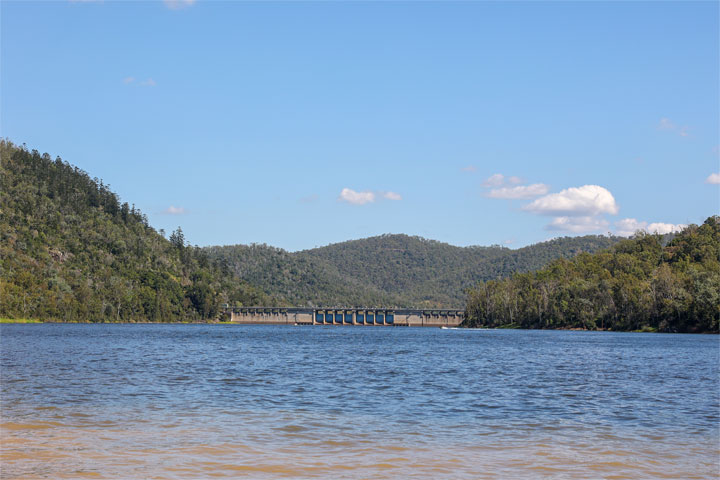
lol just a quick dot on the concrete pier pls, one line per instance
(346, 316)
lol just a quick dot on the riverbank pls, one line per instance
(140, 322)
(20, 320)
(218, 322)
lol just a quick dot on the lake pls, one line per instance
(199, 401)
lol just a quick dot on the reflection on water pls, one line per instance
(184, 401)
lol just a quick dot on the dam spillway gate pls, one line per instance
(346, 316)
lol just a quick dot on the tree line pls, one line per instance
(390, 270)
(642, 283)
(71, 250)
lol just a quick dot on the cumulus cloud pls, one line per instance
(713, 179)
(578, 224)
(127, 80)
(469, 168)
(667, 125)
(663, 228)
(495, 180)
(515, 180)
(172, 210)
(349, 195)
(148, 83)
(356, 198)
(526, 191)
(587, 200)
(629, 226)
(499, 180)
(577, 209)
(178, 4)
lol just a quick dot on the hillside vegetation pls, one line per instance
(389, 270)
(296, 280)
(640, 284)
(70, 250)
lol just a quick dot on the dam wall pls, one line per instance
(346, 316)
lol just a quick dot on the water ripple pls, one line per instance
(179, 401)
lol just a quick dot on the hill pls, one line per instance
(70, 250)
(644, 283)
(296, 279)
(397, 270)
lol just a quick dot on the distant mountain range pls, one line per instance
(389, 270)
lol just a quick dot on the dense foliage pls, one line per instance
(70, 250)
(389, 270)
(297, 280)
(640, 284)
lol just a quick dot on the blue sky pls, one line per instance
(300, 124)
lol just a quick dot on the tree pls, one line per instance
(177, 238)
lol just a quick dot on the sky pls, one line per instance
(300, 124)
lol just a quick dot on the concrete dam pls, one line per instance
(346, 316)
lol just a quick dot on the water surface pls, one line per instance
(199, 401)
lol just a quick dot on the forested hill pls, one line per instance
(390, 270)
(641, 284)
(70, 250)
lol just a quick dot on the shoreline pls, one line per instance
(30, 321)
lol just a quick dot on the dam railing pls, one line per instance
(400, 317)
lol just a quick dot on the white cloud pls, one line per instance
(713, 179)
(587, 200)
(356, 198)
(498, 180)
(527, 191)
(494, 180)
(578, 224)
(361, 198)
(629, 226)
(469, 168)
(392, 196)
(663, 228)
(172, 210)
(667, 125)
(515, 180)
(145, 83)
(178, 4)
